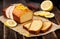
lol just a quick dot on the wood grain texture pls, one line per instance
(1, 30)
(19, 36)
(49, 36)
(9, 34)
(1, 24)
(57, 17)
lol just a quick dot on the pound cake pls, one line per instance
(46, 26)
(18, 12)
(37, 26)
(27, 26)
(34, 27)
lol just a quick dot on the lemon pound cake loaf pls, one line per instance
(19, 13)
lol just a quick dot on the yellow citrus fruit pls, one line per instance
(47, 5)
(10, 23)
(51, 15)
(41, 13)
(44, 13)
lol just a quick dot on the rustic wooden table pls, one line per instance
(6, 33)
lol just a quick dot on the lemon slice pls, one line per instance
(47, 5)
(41, 13)
(51, 15)
(7, 11)
(10, 12)
(44, 13)
(10, 23)
(47, 13)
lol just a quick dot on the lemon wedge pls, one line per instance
(10, 23)
(51, 15)
(47, 5)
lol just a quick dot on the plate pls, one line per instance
(19, 28)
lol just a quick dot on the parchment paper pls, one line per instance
(19, 28)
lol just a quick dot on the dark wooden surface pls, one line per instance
(6, 33)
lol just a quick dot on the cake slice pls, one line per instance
(27, 26)
(35, 27)
(46, 26)
(20, 13)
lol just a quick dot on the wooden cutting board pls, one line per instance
(19, 28)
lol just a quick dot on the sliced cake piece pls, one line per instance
(46, 26)
(35, 26)
(27, 26)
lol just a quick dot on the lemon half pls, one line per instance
(10, 23)
(47, 5)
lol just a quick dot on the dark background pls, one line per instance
(1, 6)
(55, 2)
